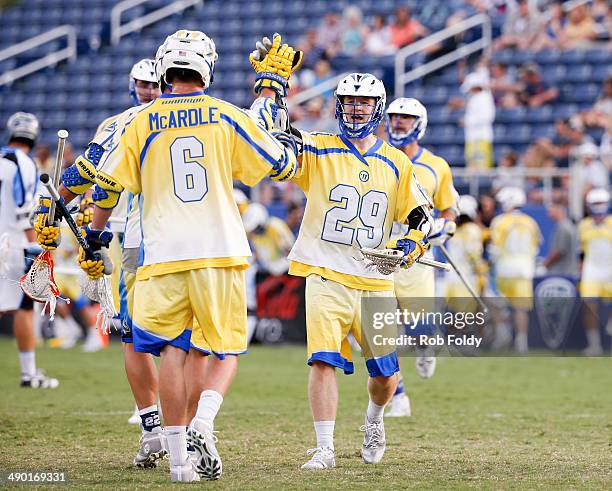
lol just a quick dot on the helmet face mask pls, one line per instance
(144, 85)
(360, 103)
(400, 136)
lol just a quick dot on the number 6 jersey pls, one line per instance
(352, 201)
(180, 154)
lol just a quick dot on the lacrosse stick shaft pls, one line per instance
(62, 135)
(434, 264)
(463, 279)
(55, 198)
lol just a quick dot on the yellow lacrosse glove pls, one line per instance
(274, 63)
(413, 245)
(86, 211)
(48, 236)
(96, 263)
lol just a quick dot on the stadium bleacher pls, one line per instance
(97, 85)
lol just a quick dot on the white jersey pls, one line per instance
(18, 188)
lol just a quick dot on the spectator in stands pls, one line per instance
(563, 256)
(534, 91)
(295, 214)
(580, 28)
(503, 86)
(605, 149)
(553, 31)
(312, 49)
(569, 133)
(321, 73)
(353, 32)
(42, 157)
(507, 174)
(405, 29)
(329, 34)
(521, 28)
(478, 120)
(590, 171)
(601, 112)
(486, 209)
(601, 10)
(315, 116)
(378, 39)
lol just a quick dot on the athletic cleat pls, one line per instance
(184, 473)
(425, 366)
(39, 381)
(399, 407)
(373, 447)
(322, 458)
(152, 449)
(207, 460)
(134, 419)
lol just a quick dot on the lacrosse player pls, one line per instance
(406, 123)
(515, 241)
(595, 234)
(356, 186)
(180, 155)
(77, 180)
(18, 181)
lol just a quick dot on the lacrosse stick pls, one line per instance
(388, 261)
(62, 136)
(39, 284)
(463, 279)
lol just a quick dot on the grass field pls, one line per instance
(502, 423)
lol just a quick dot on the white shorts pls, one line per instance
(11, 294)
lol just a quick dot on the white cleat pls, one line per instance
(39, 381)
(374, 444)
(322, 458)
(184, 473)
(207, 459)
(425, 366)
(399, 407)
(134, 419)
(593, 351)
(152, 449)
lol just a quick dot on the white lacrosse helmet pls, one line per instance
(598, 201)
(359, 85)
(511, 198)
(189, 50)
(256, 215)
(23, 125)
(409, 107)
(143, 70)
(468, 206)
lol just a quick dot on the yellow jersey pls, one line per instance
(466, 249)
(596, 244)
(353, 198)
(180, 153)
(515, 238)
(272, 245)
(434, 176)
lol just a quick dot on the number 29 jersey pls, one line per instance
(352, 201)
(180, 153)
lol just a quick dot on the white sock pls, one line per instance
(375, 412)
(208, 407)
(27, 362)
(325, 433)
(593, 338)
(176, 436)
(520, 341)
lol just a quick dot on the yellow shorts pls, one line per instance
(595, 289)
(166, 305)
(332, 312)
(479, 154)
(518, 292)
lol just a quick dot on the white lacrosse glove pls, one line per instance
(442, 230)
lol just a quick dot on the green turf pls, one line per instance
(495, 423)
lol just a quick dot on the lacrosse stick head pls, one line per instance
(386, 261)
(39, 284)
(99, 291)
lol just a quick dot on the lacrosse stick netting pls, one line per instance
(39, 283)
(386, 261)
(99, 291)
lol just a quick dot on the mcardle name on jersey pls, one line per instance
(183, 118)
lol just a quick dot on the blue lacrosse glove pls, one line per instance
(96, 261)
(442, 230)
(413, 245)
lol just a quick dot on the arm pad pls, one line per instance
(107, 191)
